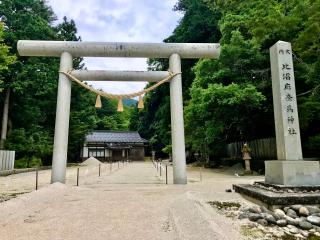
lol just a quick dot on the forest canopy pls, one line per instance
(230, 99)
(32, 85)
(225, 100)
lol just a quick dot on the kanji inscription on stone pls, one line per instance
(285, 102)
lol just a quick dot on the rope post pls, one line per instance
(78, 170)
(166, 174)
(160, 169)
(99, 170)
(37, 177)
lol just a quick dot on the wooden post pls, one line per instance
(37, 177)
(78, 176)
(166, 174)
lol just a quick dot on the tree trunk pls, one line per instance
(5, 119)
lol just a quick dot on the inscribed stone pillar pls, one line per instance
(289, 169)
(285, 102)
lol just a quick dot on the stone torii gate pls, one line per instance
(68, 50)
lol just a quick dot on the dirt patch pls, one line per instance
(7, 196)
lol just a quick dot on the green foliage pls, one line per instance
(313, 145)
(33, 82)
(199, 24)
(225, 100)
(110, 119)
(230, 99)
(5, 58)
(129, 102)
(219, 113)
(37, 144)
(249, 28)
(313, 237)
(27, 163)
(167, 149)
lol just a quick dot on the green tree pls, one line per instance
(5, 61)
(198, 24)
(217, 114)
(262, 23)
(5, 58)
(30, 80)
(246, 31)
(33, 83)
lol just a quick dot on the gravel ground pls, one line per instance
(131, 202)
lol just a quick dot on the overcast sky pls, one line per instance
(119, 21)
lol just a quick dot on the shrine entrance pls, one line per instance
(68, 50)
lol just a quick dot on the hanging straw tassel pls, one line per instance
(98, 102)
(120, 105)
(140, 103)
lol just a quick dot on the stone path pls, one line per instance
(131, 203)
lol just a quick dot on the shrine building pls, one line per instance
(114, 146)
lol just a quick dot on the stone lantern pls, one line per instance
(246, 157)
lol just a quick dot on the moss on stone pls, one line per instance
(224, 205)
(7, 196)
(313, 237)
(251, 232)
(288, 237)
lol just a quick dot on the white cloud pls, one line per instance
(119, 21)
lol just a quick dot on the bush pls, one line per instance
(313, 145)
(28, 163)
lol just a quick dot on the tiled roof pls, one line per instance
(115, 137)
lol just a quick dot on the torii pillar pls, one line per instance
(66, 50)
